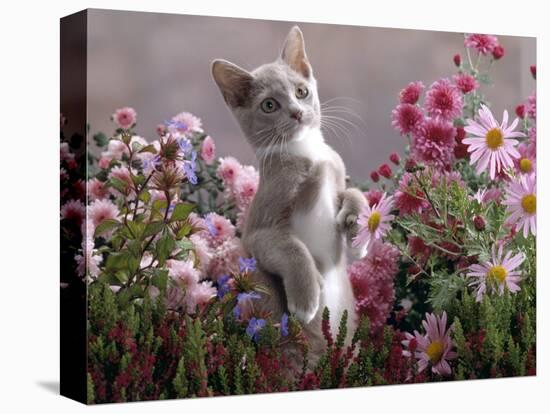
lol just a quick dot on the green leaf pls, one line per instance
(119, 185)
(101, 139)
(181, 211)
(145, 196)
(149, 148)
(118, 261)
(153, 228)
(159, 204)
(106, 226)
(164, 247)
(184, 230)
(160, 279)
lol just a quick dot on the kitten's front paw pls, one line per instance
(305, 304)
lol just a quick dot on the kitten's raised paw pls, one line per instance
(305, 305)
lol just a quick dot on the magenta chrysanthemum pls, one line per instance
(409, 198)
(406, 118)
(372, 281)
(497, 274)
(491, 145)
(433, 142)
(411, 93)
(434, 348)
(483, 43)
(444, 100)
(521, 199)
(466, 83)
(374, 222)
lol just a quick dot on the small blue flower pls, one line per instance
(284, 325)
(152, 163)
(210, 226)
(244, 296)
(247, 265)
(189, 168)
(254, 327)
(185, 146)
(223, 285)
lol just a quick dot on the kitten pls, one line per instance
(302, 217)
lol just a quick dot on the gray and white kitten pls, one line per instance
(302, 218)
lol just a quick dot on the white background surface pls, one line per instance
(29, 99)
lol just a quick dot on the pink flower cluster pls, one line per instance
(372, 279)
(241, 183)
(484, 44)
(216, 246)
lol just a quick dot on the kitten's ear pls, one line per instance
(234, 82)
(294, 52)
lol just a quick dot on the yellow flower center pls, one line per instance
(494, 138)
(525, 165)
(497, 273)
(435, 351)
(529, 203)
(374, 221)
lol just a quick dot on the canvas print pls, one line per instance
(254, 206)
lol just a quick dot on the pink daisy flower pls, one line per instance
(497, 274)
(406, 118)
(465, 82)
(374, 222)
(492, 144)
(411, 93)
(434, 348)
(521, 199)
(444, 100)
(483, 43)
(434, 142)
(526, 163)
(101, 210)
(208, 150)
(125, 117)
(486, 195)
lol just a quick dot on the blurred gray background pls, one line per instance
(160, 65)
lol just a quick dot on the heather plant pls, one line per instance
(446, 291)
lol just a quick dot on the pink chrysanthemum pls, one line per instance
(208, 150)
(245, 187)
(101, 210)
(183, 273)
(411, 93)
(526, 163)
(491, 144)
(465, 82)
(531, 106)
(218, 228)
(497, 274)
(125, 117)
(434, 348)
(483, 43)
(97, 189)
(228, 170)
(374, 222)
(521, 199)
(486, 195)
(88, 260)
(372, 280)
(199, 295)
(409, 198)
(202, 252)
(406, 118)
(186, 123)
(122, 174)
(444, 100)
(73, 210)
(433, 142)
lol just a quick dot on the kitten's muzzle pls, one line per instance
(297, 115)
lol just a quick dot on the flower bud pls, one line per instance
(533, 69)
(410, 165)
(385, 171)
(457, 59)
(520, 111)
(374, 176)
(479, 223)
(498, 52)
(394, 157)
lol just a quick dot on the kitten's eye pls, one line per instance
(269, 105)
(301, 92)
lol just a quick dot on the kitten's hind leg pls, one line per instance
(281, 253)
(352, 203)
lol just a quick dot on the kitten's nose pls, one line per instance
(297, 115)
